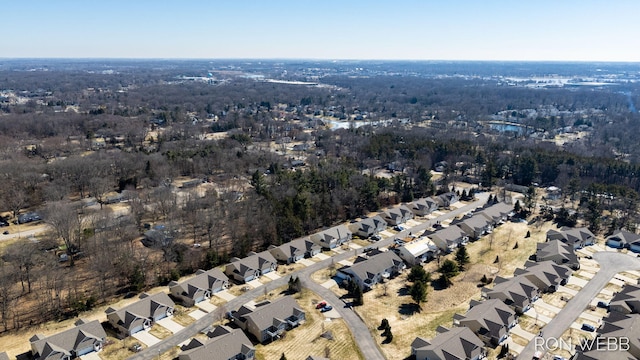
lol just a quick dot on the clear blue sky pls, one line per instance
(581, 30)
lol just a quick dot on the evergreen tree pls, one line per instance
(358, 298)
(418, 292)
(462, 257)
(449, 268)
(445, 281)
(418, 273)
(384, 324)
(282, 357)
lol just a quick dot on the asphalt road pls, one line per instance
(611, 263)
(358, 328)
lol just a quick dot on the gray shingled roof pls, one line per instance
(370, 267)
(449, 235)
(457, 343)
(275, 312)
(628, 298)
(225, 345)
(204, 280)
(260, 261)
(493, 315)
(145, 308)
(70, 340)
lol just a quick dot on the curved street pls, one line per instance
(611, 263)
(358, 328)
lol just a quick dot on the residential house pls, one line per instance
(295, 250)
(449, 238)
(475, 226)
(497, 213)
(490, 320)
(370, 269)
(86, 337)
(553, 193)
(445, 200)
(621, 239)
(141, 314)
(332, 237)
(558, 252)
(517, 292)
(251, 267)
(418, 251)
(370, 226)
(454, 344)
(576, 237)
(423, 206)
(546, 275)
(625, 327)
(224, 344)
(199, 287)
(269, 320)
(397, 216)
(626, 301)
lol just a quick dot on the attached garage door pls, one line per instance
(85, 350)
(135, 329)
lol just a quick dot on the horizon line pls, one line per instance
(314, 59)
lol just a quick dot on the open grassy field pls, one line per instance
(306, 339)
(392, 301)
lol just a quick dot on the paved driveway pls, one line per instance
(225, 295)
(170, 325)
(206, 306)
(321, 256)
(91, 356)
(306, 262)
(198, 314)
(272, 275)
(146, 338)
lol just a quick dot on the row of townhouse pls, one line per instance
(264, 322)
(623, 239)
(621, 326)
(489, 322)
(449, 238)
(372, 268)
(89, 336)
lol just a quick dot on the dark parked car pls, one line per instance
(589, 328)
(326, 308)
(375, 238)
